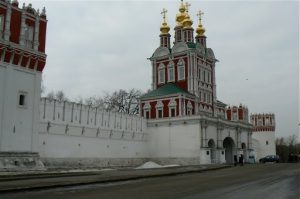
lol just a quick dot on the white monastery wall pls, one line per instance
(77, 132)
(18, 131)
(264, 143)
(185, 140)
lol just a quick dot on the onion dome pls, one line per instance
(187, 22)
(164, 28)
(200, 29)
(181, 15)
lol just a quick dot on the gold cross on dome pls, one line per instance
(187, 5)
(199, 14)
(164, 11)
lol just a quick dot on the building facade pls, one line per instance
(181, 120)
(186, 121)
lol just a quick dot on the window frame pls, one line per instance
(171, 66)
(181, 66)
(24, 100)
(161, 74)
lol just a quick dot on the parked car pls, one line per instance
(269, 158)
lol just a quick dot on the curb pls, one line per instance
(107, 179)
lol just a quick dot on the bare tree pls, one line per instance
(286, 148)
(95, 102)
(51, 95)
(292, 140)
(123, 101)
(58, 95)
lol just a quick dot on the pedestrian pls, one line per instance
(241, 160)
(235, 160)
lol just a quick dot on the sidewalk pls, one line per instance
(23, 181)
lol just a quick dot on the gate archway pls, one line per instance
(212, 146)
(228, 144)
(244, 149)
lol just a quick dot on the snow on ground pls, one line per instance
(152, 165)
(85, 170)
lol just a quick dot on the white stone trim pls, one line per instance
(161, 68)
(171, 65)
(180, 64)
(159, 106)
(147, 108)
(172, 105)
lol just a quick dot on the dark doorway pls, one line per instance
(228, 144)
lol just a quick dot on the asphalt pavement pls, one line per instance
(267, 181)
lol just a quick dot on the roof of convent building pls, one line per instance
(167, 89)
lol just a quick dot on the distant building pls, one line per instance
(263, 134)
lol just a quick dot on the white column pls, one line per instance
(36, 33)
(205, 136)
(214, 100)
(154, 75)
(7, 23)
(22, 33)
(179, 105)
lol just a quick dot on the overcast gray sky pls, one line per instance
(97, 46)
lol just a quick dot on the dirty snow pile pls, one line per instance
(153, 165)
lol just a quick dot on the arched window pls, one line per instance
(171, 72)
(147, 108)
(181, 70)
(172, 108)
(159, 109)
(161, 74)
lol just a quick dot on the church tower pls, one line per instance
(183, 75)
(22, 60)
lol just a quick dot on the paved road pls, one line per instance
(274, 181)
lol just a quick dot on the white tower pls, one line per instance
(22, 60)
(263, 134)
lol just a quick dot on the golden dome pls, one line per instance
(200, 29)
(181, 15)
(164, 28)
(187, 22)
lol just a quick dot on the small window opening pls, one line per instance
(159, 113)
(173, 112)
(22, 100)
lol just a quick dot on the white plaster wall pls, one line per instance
(262, 149)
(170, 141)
(66, 146)
(212, 134)
(19, 124)
(2, 97)
(71, 130)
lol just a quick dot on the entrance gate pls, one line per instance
(228, 144)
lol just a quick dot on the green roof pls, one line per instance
(191, 44)
(221, 104)
(167, 89)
